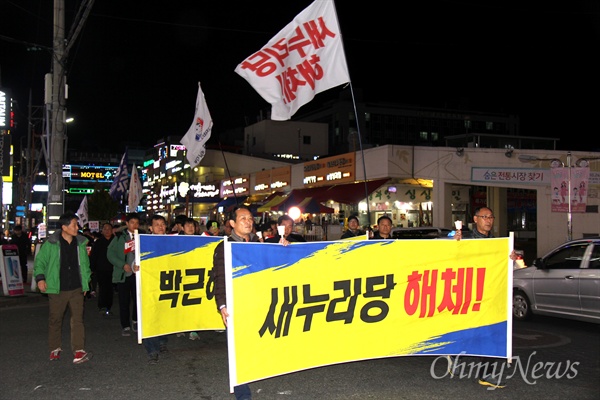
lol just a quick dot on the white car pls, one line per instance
(564, 283)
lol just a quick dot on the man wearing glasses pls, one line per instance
(484, 222)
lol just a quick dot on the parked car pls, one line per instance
(423, 232)
(564, 283)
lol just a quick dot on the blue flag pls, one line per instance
(121, 182)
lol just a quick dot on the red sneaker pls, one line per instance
(55, 354)
(81, 356)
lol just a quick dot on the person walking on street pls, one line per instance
(156, 346)
(353, 228)
(484, 224)
(241, 222)
(384, 228)
(21, 240)
(62, 271)
(121, 254)
(103, 269)
(288, 223)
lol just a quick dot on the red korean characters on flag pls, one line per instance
(305, 58)
(196, 137)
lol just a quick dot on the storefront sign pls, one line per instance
(274, 179)
(511, 175)
(240, 184)
(330, 170)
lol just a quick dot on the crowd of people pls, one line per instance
(70, 264)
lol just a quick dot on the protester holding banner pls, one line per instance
(353, 228)
(241, 222)
(189, 228)
(157, 345)
(121, 253)
(62, 271)
(288, 223)
(484, 223)
(384, 228)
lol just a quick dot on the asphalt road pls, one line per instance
(566, 353)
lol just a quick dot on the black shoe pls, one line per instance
(164, 351)
(153, 359)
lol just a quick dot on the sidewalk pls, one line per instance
(28, 297)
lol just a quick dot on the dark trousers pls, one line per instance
(59, 303)
(23, 261)
(127, 301)
(105, 289)
(153, 344)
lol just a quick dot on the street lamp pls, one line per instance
(555, 163)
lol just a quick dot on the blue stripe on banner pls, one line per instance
(160, 245)
(484, 340)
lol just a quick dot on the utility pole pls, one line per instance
(57, 140)
(58, 109)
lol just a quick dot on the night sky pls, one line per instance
(134, 68)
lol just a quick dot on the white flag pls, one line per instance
(305, 58)
(82, 212)
(119, 185)
(135, 190)
(196, 137)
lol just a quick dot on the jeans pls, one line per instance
(153, 344)
(242, 392)
(127, 297)
(58, 304)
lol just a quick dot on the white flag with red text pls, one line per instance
(135, 190)
(305, 58)
(196, 137)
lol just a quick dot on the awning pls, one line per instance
(230, 202)
(272, 204)
(347, 193)
(310, 205)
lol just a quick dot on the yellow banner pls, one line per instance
(313, 304)
(175, 285)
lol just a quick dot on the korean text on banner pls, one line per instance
(196, 137)
(175, 284)
(439, 297)
(305, 58)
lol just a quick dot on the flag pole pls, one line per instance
(229, 174)
(362, 154)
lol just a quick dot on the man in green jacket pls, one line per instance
(62, 270)
(121, 254)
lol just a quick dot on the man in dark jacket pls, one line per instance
(241, 222)
(121, 254)
(287, 223)
(21, 240)
(103, 269)
(62, 271)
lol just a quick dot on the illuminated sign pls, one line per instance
(5, 111)
(89, 173)
(240, 184)
(330, 170)
(81, 191)
(267, 181)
